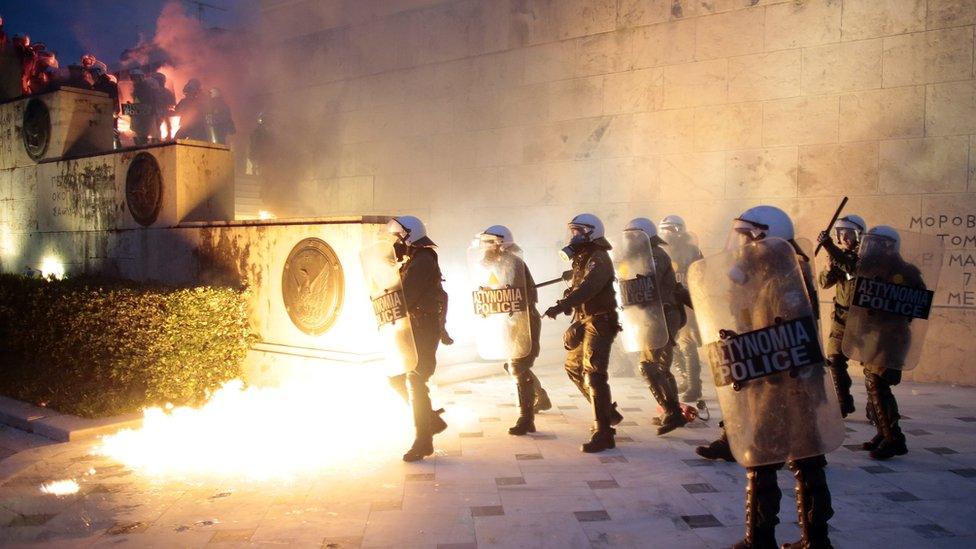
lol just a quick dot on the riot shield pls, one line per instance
(501, 302)
(382, 272)
(683, 249)
(642, 312)
(760, 336)
(894, 286)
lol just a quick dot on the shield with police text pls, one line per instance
(500, 299)
(894, 287)
(382, 272)
(760, 336)
(642, 311)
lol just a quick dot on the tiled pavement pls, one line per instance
(488, 489)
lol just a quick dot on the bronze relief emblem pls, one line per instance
(312, 286)
(144, 189)
(37, 128)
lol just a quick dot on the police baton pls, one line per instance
(832, 221)
(567, 275)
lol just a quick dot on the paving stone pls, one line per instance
(478, 434)
(877, 469)
(342, 542)
(699, 488)
(528, 457)
(613, 459)
(942, 451)
(967, 419)
(602, 484)
(965, 473)
(487, 511)
(918, 432)
(701, 521)
(701, 462)
(418, 477)
(900, 496)
(510, 481)
(932, 531)
(591, 516)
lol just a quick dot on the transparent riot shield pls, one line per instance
(760, 336)
(500, 299)
(382, 273)
(642, 312)
(683, 249)
(894, 287)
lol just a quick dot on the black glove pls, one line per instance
(824, 237)
(554, 311)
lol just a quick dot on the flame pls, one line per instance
(60, 487)
(265, 214)
(125, 124)
(340, 420)
(169, 127)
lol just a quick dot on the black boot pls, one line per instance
(813, 508)
(762, 509)
(886, 415)
(842, 383)
(525, 389)
(717, 449)
(665, 390)
(869, 406)
(678, 368)
(437, 423)
(423, 444)
(602, 437)
(541, 397)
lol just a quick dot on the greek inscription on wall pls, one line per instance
(958, 235)
(85, 194)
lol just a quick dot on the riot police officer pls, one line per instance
(776, 415)
(592, 302)
(426, 301)
(684, 251)
(658, 318)
(508, 319)
(840, 275)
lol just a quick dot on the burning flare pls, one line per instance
(338, 421)
(60, 487)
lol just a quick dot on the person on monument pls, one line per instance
(719, 448)
(651, 313)
(778, 417)
(192, 112)
(220, 123)
(882, 340)
(842, 257)
(591, 300)
(164, 105)
(684, 251)
(143, 117)
(426, 304)
(511, 332)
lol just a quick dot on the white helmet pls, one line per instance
(765, 221)
(642, 224)
(409, 229)
(886, 234)
(672, 223)
(590, 224)
(852, 222)
(499, 234)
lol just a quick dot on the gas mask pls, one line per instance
(400, 249)
(576, 244)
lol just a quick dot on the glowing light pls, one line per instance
(340, 420)
(60, 488)
(265, 214)
(174, 126)
(125, 124)
(7, 243)
(51, 266)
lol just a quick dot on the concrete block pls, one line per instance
(694, 176)
(533, 22)
(930, 165)
(765, 76)
(617, 177)
(638, 13)
(696, 84)
(521, 105)
(761, 173)
(574, 182)
(578, 98)
(526, 181)
(883, 114)
(950, 13)
(664, 132)
(646, 179)
(576, 18)
(873, 18)
(68, 428)
(738, 32)
(664, 44)
(728, 127)
(802, 23)
(605, 53)
(549, 62)
(950, 108)
(633, 91)
(842, 67)
(801, 121)
(86, 194)
(836, 170)
(927, 57)
(602, 137)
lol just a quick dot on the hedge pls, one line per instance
(99, 347)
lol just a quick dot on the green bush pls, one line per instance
(99, 347)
